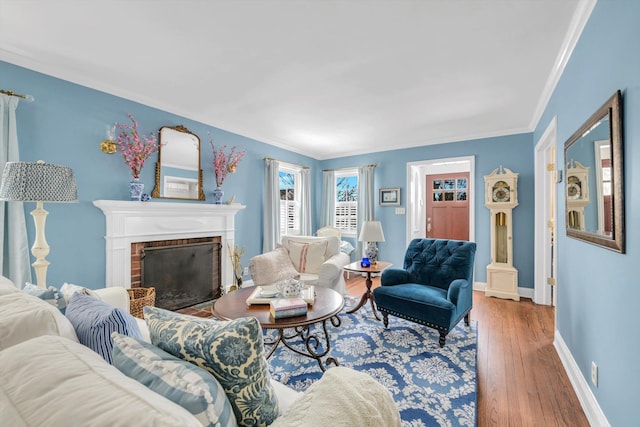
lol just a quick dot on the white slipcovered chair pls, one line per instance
(314, 260)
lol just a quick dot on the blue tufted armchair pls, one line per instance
(433, 289)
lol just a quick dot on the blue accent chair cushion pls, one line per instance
(434, 288)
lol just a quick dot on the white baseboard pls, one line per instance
(523, 292)
(587, 400)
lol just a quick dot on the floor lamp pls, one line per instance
(38, 182)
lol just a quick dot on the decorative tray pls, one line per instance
(266, 294)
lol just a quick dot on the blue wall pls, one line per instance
(67, 122)
(65, 126)
(514, 152)
(595, 283)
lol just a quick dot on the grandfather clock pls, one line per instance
(501, 196)
(577, 194)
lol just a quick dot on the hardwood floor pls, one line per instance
(521, 381)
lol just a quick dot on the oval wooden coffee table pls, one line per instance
(328, 303)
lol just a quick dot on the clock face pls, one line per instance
(573, 191)
(574, 187)
(501, 192)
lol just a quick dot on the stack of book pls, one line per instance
(289, 307)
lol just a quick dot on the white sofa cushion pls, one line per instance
(24, 316)
(182, 382)
(343, 397)
(51, 381)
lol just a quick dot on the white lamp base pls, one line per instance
(40, 248)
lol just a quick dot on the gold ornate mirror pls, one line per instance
(178, 173)
(594, 187)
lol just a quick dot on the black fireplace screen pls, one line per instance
(183, 275)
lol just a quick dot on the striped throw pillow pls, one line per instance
(94, 321)
(193, 388)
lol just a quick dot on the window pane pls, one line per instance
(461, 196)
(346, 206)
(461, 183)
(347, 189)
(287, 186)
(449, 184)
(437, 196)
(448, 196)
(437, 184)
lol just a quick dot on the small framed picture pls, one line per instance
(390, 196)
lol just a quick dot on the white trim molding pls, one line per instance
(587, 400)
(580, 18)
(522, 292)
(132, 222)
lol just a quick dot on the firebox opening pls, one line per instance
(183, 275)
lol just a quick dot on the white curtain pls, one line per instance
(14, 251)
(305, 213)
(366, 198)
(271, 221)
(328, 199)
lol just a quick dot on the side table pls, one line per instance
(374, 268)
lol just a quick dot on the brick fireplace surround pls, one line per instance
(131, 225)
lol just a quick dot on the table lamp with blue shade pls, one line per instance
(38, 182)
(371, 232)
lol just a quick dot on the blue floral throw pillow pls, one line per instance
(50, 295)
(232, 351)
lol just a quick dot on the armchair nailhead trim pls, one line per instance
(413, 319)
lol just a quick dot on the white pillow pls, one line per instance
(68, 289)
(270, 267)
(307, 257)
(342, 397)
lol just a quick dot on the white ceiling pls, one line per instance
(322, 78)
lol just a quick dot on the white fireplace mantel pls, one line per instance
(132, 222)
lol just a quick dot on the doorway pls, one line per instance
(417, 173)
(545, 246)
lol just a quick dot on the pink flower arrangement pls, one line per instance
(135, 149)
(224, 163)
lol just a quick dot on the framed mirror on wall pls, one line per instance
(178, 173)
(594, 192)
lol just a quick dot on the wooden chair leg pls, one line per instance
(467, 317)
(385, 320)
(443, 337)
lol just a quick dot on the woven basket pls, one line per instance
(140, 297)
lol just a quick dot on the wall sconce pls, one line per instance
(109, 145)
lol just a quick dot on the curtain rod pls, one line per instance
(373, 165)
(27, 98)
(289, 163)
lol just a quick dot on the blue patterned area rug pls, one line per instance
(431, 386)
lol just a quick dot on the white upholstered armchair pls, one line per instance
(314, 260)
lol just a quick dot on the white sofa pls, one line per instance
(49, 378)
(315, 260)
